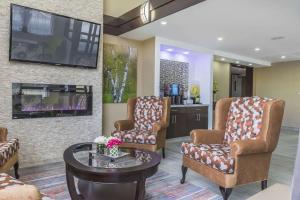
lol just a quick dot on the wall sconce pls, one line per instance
(145, 12)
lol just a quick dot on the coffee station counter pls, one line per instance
(185, 118)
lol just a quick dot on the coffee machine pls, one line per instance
(175, 92)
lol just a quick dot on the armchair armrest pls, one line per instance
(246, 147)
(202, 136)
(3, 134)
(123, 125)
(159, 126)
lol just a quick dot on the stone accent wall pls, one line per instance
(174, 72)
(45, 139)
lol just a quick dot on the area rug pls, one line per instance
(51, 181)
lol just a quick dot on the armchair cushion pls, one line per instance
(8, 150)
(136, 136)
(244, 118)
(148, 110)
(216, 156)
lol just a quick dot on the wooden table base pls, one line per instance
(107, 191)
(101, 183)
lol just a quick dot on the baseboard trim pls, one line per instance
(179, 139)
(287, 128)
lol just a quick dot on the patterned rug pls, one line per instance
(51, 180)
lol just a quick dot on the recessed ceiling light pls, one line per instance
(186, 52)
(170, 50)
(257, 49)
(223, 59)
(250, 64)
(237, 62)
(163, 23)
(220, 39)
(283, 57)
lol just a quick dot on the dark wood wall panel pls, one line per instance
(131, 20)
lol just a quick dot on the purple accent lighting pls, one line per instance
(49, 100)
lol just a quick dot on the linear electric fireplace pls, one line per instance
(49, 100)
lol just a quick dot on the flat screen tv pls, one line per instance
(43, 37)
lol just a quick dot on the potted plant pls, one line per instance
(195, 93)
(113, 146)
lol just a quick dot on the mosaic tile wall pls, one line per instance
(174, 72)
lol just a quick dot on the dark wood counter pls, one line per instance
(184, 119)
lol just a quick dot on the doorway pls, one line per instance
(241, 81)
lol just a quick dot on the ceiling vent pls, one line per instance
(278, 38)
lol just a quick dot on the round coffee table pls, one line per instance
(103, 178)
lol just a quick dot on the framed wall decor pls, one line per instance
(119, 73)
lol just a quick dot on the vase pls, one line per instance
(194, 100)
(114, 151)
(197, 100)
(101, 148)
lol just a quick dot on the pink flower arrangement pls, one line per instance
(113, 141)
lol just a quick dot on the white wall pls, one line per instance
(201, 72)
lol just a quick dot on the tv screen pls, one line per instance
(43, 37)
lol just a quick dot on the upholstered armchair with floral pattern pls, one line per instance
(8, 152)
(145, 128)
(238, 151)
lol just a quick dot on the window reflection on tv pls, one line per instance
(43, 37)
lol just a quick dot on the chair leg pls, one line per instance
(163, 152)
(225, 192)
(264, 184)
(183, 170)
(16, 167)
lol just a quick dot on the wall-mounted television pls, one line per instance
(43, 37)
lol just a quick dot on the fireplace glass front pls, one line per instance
(49, 100)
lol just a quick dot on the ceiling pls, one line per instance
(244, 25)
(116, 8)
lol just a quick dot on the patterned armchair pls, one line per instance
(238, 151)
(8, 153)
(145, 128)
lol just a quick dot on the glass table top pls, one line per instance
(88, 156)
